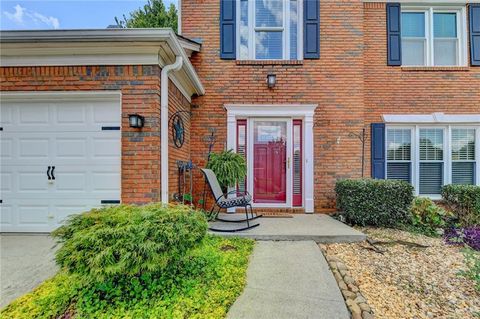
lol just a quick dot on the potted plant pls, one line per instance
(229, 167)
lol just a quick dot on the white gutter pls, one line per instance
(164, 124)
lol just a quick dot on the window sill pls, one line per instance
(435, 68)
(269, 62)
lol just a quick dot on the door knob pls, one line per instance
(48, 173)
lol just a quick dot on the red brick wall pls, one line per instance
(177, 102)
(334, 82)
(140, 87)
(397, 90)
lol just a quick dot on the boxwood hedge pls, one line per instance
(374, 202)
(464, 201)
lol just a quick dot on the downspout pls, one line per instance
(164, 124)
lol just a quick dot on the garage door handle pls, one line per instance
(48, 173)
(53, 169)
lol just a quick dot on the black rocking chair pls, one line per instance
(223, 201)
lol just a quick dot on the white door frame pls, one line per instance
(250, 153)
(304, 111)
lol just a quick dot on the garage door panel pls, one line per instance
(71, 147)
(33, 147)
(105, 113)
(74, 113)
(6, 149)
(6, 215)
(32, 180)
(34, 214)
(105, 180)
(71, 182)
(6, 182)
(34, 114)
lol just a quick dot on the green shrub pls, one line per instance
(203, 284)
(126, 241)
(472, 261)
(229, 167)
(374, 202)
(464, 201)
(428, 217)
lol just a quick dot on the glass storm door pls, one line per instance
(270, 161)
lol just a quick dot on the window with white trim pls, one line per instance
(434, 36)
(269, 29)
(399, 154)
(463, 156)
(432, 156)
(431, 161)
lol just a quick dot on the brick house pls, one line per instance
(293, 85)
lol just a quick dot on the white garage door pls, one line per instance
(59, 156)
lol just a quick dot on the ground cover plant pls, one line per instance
(159, 263)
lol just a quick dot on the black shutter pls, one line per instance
(378, 150)
(227, 29)
(311, 29)
(475, 34)
(394, 37)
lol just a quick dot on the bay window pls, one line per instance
(269, 29)
(434, 36)
(432, 156)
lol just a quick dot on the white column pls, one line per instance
(231, 143)
(309, 164)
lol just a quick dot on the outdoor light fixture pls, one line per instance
(136, 120)
(271, 80)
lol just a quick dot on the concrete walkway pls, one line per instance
(25, 262)
(320, 228)
(289, 280)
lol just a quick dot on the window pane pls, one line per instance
(445, 51)
(445, 25)
(463, 144)
(463, 173)
(244, 29)
(268, 13)
(399, 171)
(413, 51)
(399, 144)
(268, 45)
(293, 28)
(431, 144)
(431, 178)
(413, 24)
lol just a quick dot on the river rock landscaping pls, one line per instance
(403, 275)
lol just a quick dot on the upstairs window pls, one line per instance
(433, 36)
(269, 30)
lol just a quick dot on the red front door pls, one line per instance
(270, 162)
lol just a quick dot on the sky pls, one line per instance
(65, 14)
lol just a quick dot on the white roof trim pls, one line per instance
(101, 47)
(433, 118)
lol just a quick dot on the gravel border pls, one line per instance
(355, 301)
(404, 280)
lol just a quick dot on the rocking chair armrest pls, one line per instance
(244, 193)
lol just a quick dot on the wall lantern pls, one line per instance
(136, 120)
(271, 80)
